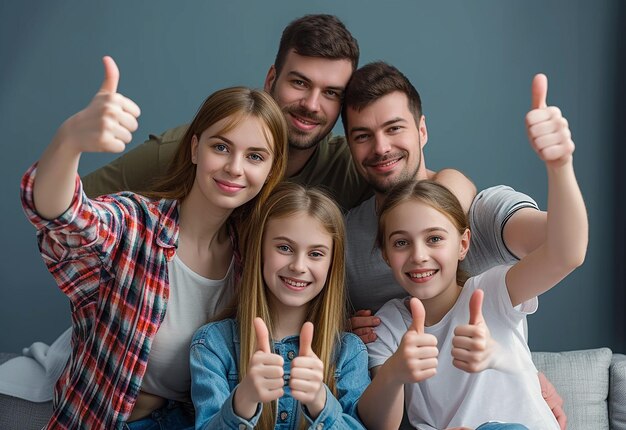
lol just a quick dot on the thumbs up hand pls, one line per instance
(307, 375)
(472, 344)
(264, 379)
(548, 131)
(106, 124)
(416, 358)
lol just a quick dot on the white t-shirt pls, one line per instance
(453, 397)
(193, 300)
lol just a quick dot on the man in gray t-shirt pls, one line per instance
(386, 133)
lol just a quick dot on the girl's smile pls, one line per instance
(297, 252)
(423, 249)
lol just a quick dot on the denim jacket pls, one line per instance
(214, 377)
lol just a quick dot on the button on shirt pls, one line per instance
(214, 377)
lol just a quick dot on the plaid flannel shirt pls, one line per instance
(109, 256)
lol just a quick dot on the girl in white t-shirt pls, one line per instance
(459, 344)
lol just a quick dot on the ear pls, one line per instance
(423, 131)
(194, 149)
(464, 244)
(269, 79)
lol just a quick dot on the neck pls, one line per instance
(437, 307)
(288, 320)
(200, 220)
(297, 160)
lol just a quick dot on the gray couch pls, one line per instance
(592, 383)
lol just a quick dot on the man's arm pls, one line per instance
(136, 170)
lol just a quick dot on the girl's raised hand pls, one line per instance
(106, 124)
(472, 344)
(416, 358)
(264, 380)
(307, 374)
(548, 131)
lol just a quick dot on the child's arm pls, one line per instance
(103, 126)
(567, 228)
(459, 184)
(382, 403)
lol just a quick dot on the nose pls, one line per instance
(297, 264)
(311, 100)
(419, 253)
(234, 166)
(382, 144)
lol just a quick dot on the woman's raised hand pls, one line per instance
(106, 124)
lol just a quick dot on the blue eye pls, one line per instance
(283, 248)
(220, 147)
(256, 157)
(435, 239)
(316, 254)
(400, 243)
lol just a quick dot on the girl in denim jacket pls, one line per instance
(268, 368)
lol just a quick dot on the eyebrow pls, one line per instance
(230, 142)
(384, 124)
(299, 75)
(428, 230)
(286, 239)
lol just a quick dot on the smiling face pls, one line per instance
(309, 92)
(423, 248)
(232, 165)
(385, 141)
(297, 253)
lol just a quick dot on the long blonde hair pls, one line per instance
(237, 104)
(326, 311)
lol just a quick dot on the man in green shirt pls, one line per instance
(315, 60)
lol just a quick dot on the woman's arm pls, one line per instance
(105, 125)
(567, 227)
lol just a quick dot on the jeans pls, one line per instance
(501, 426)
(173, 416)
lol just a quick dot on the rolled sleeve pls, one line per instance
(489, 213)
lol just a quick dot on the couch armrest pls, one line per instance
(617, 392)
(582, 380)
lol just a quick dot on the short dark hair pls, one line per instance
(376, 80)
(317, 36)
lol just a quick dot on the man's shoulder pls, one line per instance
(363, 212)
(169, 136)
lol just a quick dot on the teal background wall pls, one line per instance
(472, 62)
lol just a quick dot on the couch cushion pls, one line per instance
(617, 390)
(19, 414)
(582, 379)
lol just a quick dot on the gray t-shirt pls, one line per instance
(369, 280)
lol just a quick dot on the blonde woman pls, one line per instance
(142, 273)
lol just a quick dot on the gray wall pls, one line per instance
(472, 62)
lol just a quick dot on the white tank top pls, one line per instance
(193, 300)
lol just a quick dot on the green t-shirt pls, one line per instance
(330, 167)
